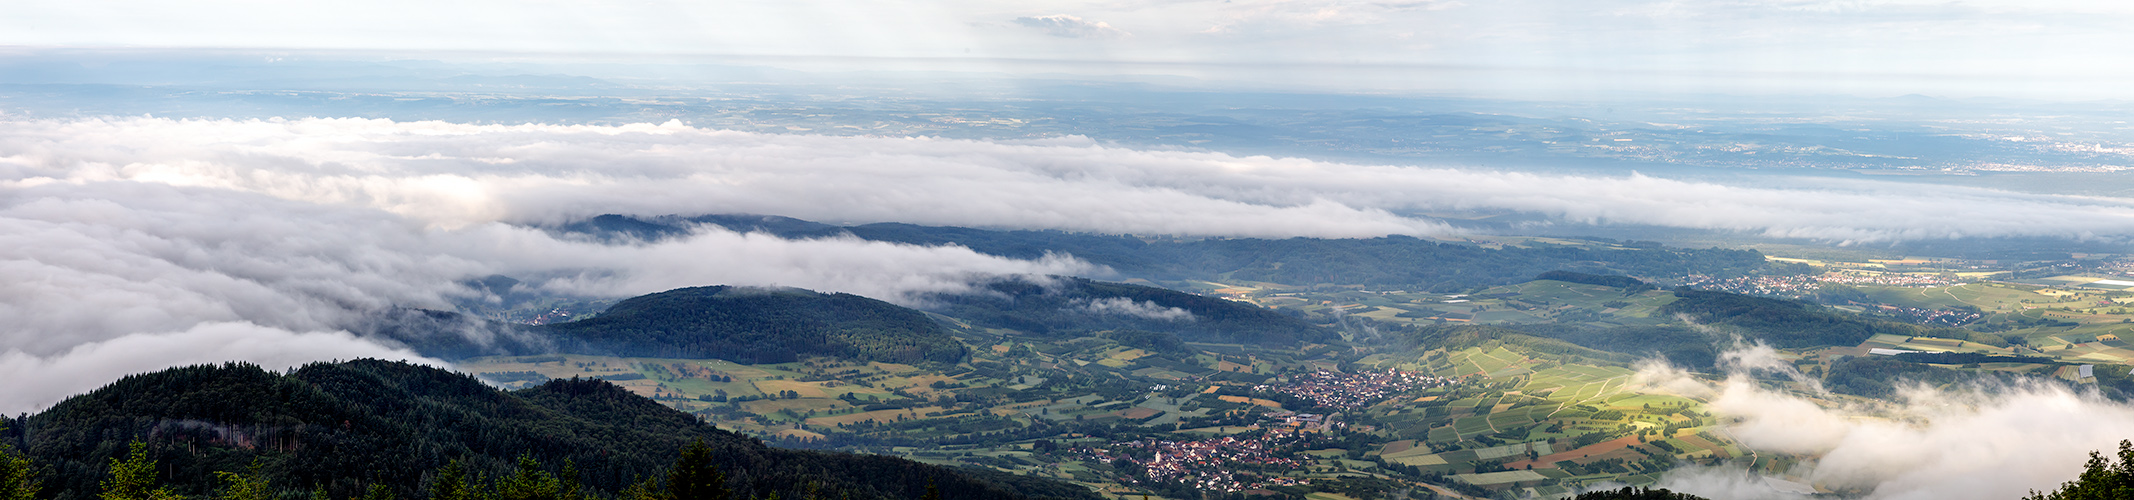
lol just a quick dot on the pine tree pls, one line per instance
(134, 478)
(573, 489)
(18, 480)
(694, 476)
(251, 485)
(643, 490)
(452, 483)
(529, 482)
(932, 492)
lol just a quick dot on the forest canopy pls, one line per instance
(350, 428)
(760, 325)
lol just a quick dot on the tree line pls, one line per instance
(749, 325)
(351, 427)
(692, 476)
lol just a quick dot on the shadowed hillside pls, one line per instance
(756, 325)
(346, 426)
(1073, 306)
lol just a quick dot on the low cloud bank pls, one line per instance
(35, 382)
(119, 233)
(1123, 306)
(106, 278)
(2000, 442)
(456, 174)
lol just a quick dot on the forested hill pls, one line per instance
(759, 325)
(347, 426)
(1628, 284)
(1066, 306)
(1789, 324)
(1781, 323)
(1396, 261)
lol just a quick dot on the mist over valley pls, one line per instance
(1055, 250)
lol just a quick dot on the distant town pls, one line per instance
(1345, 391)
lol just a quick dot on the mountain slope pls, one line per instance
(758, 325)
(1789, 324)
(344, 426)
(1074, 306)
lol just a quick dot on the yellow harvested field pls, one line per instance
(1257, 401)
(800, 434)
(646, 387)
(924, 384)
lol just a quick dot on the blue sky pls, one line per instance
(2060, 50)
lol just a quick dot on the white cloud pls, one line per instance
(1656, 375)
(139, 226)
(108, 275)
(1999, 442)
(1123, 306)
(1066, 26)
(96, 260)
(454, 175)
(1730, 483)
(888, 271)
(34, 382)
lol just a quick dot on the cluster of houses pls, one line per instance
(1207, 463)
(1331, 389)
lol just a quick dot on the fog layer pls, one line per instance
(453, 175)
(122, 228)
(1967, 442)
